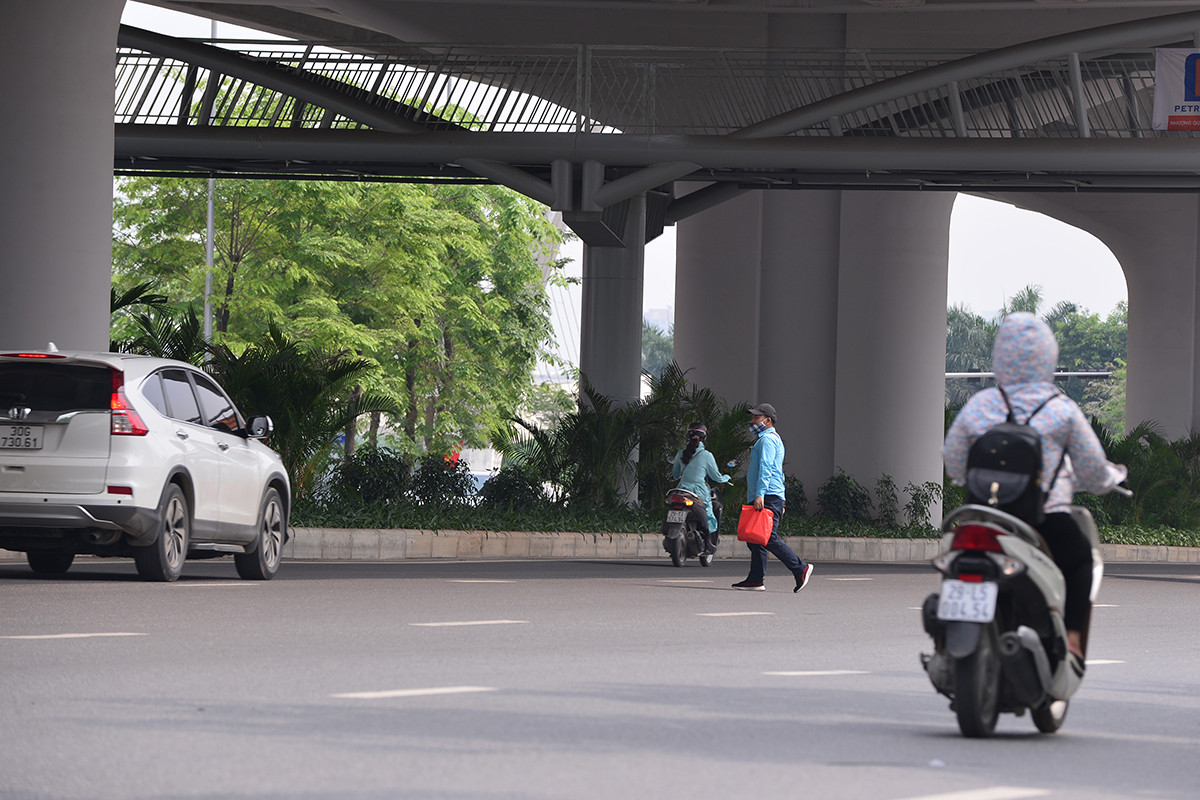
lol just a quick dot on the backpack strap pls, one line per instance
(1008, 405)
(1063, 457)
(1043, 404)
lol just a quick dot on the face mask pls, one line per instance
(757, 427)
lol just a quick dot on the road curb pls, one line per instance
(359, 544)
(362, 544)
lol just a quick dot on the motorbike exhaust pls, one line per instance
(1025, 665)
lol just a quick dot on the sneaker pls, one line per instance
(1078, 664)
(802, 577)
(750, 586)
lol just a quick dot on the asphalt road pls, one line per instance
(558, 679)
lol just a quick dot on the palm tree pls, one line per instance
(310, 395)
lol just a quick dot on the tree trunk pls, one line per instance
(373, 431)
(351, 431)
(410, 384)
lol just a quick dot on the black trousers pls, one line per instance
(1073, 554)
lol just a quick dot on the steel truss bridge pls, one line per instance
(584, 128)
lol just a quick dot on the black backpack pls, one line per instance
(1004, 468)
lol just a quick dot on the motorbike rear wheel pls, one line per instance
(977, 687)
(1050, 716)
(678, 551)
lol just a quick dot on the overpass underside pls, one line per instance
(1071, 113)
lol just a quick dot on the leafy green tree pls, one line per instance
(1086, 343)
(440, 288)
(306, 392)
(658, 348)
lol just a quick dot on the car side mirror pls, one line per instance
(260, 427)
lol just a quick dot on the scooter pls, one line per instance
(1000, 643)
(682, 529)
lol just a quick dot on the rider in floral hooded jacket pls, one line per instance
(1023, 359)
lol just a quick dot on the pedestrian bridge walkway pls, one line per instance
(698, 113)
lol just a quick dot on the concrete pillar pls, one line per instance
(798, 343)
(718, 256)
(1155, 239)
(891, 336)
(610, 347)
(756, 314)
(56, 151)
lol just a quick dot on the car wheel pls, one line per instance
(163, 560)
(49, 562)
(261, 563)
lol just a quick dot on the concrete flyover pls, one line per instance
(826, 300)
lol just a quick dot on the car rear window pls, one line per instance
(42, 386)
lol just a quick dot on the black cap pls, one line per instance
(766, 410)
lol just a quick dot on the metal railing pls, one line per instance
(593, 89)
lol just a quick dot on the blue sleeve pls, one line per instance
(710, 469)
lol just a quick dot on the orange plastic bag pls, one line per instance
(754, 527)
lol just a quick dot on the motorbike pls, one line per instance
(682, 529)
(1000, 642)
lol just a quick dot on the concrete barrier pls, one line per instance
(336, 544)
(359, 544)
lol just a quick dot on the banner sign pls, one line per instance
(1176, 89)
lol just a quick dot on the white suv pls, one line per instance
(123, 455)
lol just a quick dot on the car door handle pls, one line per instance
(223, 445)
(181, 434)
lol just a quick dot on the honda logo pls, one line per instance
(19, 412)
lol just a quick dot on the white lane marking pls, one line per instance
(190, 584)
(70, 635)
(413, 692)
(992, 793)
(1105, 605)
(469, 622)
(849, 579)
(738, 614)
(684, 580)
(817, 673)
(478, 580)
(1092, 662)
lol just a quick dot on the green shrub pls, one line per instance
(797, 500)
(889, 505)
(375, 475)
(440, 482)
(921, 499)
(843, 499)
(513, 488)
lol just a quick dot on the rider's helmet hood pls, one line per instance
(1025, 350)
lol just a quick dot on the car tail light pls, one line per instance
(976, 537)
(125, 419)
(30, 355)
